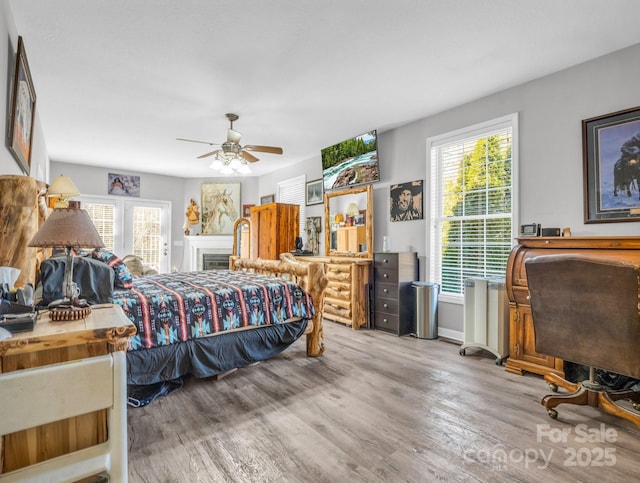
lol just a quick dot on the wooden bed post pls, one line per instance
(309, 275)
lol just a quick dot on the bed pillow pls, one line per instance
(124, 279)
(94, 278)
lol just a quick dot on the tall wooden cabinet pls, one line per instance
(274, 228)
(522, 353)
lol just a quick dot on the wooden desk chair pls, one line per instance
(585, 310)
(32, 397)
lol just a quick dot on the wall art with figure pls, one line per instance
(406, 201)
(220, 208)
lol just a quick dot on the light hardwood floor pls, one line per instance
(375, 408)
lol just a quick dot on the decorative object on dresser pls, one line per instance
(393, 274)
(274, 228)
(585, 310)
(522, 352)
(23, 209)
(68, 228)
(22, 111)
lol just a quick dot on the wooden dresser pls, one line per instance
(347, 294)
(104, 331)
(522, 354)
(274, 228)
(393, 274)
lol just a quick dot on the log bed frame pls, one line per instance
(309, 275)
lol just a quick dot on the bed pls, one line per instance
(203, 323)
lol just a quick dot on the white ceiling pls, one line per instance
(118, 81)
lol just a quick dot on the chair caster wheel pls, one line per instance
(553, 387)
(553, 414)
(462, 352)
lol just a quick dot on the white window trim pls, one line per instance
(471, 131)
(298, 181)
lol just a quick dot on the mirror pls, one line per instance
(348, 222)
(241, 238)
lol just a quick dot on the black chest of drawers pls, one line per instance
(393, 304)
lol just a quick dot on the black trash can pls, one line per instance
(425, 296)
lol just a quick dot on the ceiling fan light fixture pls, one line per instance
(235, 163)
(227, 170)
(216, 164)
(244, 169)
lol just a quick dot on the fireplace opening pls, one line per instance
(215, 261)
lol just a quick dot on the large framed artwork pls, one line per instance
(220, 208)
(21, 112)
(611, 164)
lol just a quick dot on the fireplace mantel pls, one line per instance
(196, 246)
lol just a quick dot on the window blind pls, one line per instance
(292, 191)
(471, 205)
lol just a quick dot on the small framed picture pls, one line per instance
(123, 185)
(265, 200)
(314, 192)
(246, 211)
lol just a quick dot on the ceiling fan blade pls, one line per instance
(206, 155)
(194, 141)
(263, 149)
(233, 136)
(248, 156)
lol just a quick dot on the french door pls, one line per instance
(133, 227)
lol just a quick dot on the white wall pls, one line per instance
(8, 48)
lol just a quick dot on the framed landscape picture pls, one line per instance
(265, 200)
(314, 192)
(21, 112)
(611, 155)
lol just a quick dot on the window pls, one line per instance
(134, 227)
(292, 191)
(472, 202)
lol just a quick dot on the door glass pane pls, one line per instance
(103, 217)
(147, 240)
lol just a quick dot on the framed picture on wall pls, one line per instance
(220, 208)
(123, 185)
(21, 112)
(406, 201)
(611, 157)
(246, 210)
(314, 192)
(265, 200)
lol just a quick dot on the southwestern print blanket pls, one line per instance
(168, 308)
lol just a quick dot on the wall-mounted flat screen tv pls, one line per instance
(351, 162)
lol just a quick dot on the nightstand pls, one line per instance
(105, 330)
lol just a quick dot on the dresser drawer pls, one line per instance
(385, 275)
(389, 306)
(387, 290)
(385, 260)
(386, 321)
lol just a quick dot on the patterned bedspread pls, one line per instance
(168, 308)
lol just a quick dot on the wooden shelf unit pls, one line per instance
(274, 228)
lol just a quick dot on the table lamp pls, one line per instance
(68, 228)
(62, 188)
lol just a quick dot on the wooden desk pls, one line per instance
(522, 354)
(105, 330)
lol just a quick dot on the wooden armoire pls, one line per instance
(23, 210)
(274, 228)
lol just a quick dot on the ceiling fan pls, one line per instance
(231, 154)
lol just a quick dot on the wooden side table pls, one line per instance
(105, 330)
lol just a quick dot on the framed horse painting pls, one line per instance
(220, 208)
